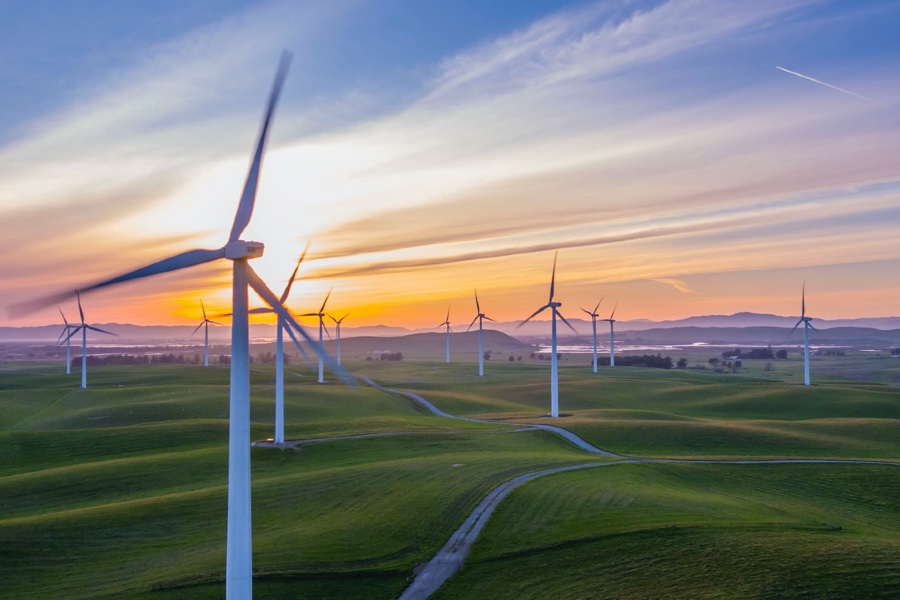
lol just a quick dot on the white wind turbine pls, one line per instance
(239, 549)
(446, 323)
(83, 328)
(321, 315)
(280, 326)
(480, 317)
(806, 326)
(554, 376)
(612, 336)
(337, 326)
(66, 332)
(594, 316)
(205, 323)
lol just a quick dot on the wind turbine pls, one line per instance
(480, 317)
(337, 326)
(66, 332)
(594, 316)
(554, 306)
(806, 326)
(239, 548)
(205, 323)
(447, 324)
(321, 315)
(279, 353)
(83, 328)
(612, 336)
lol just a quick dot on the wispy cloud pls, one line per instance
(834, 87)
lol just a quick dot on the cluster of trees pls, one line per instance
(657, 361)
(143, 359)
(830, 353)
(544, 356)
(755, 353)
(268, 358)
(395, 356)
(895, 351)
(723, 366)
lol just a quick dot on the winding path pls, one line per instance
(451, 557)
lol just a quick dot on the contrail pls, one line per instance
(834, 87)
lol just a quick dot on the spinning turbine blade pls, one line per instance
(322, 310)
(489, 319)
(472, 323)
(795, 327)
(803, 301)
(477, 306)
(198, 327)
(553, 277)
(613, 313)
(271, 299)
(587, 313)
(203, 308)
(559, 314)
(63, 316)
(80, 311)
(248, 197)
(598, 306)
(100, 330)
(287, 290)
(536, 313)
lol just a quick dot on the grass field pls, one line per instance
(119, 490)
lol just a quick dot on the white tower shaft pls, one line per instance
(321, 358)
(239, 550)
(279, 380)
(83, 357)
(554, 379)
(480, 348)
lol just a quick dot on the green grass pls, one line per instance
(120, 490)
(702, 531)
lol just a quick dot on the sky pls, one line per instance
(684, 157)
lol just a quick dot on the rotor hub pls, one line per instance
(241, 250)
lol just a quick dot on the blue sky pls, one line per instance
(428, 147)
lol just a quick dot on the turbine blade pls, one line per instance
(813, 327)
(803, 301)
(272, 300)
(344, 317)
(612, 314)
(173, 263)
(327, 296)
(203, 308)
(309, 315)
(446, 319)
(477, 306)
(553, 277)
(198, 327)
(287, 289)
(63, 316)
(536, 313)
(559, 314)
(795, 327)
(299, 347)
(332, 318)
(75, 329)
(598, 306)
(472, 323)
(260, 311)
(80, 311)
(213, 322)
(101, 330)
(248, 196)
(325, 328)
(488, 318)
(585, 311)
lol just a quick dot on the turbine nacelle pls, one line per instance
(240, 250)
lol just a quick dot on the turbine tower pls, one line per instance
(239, 547)
(447, 324)
(205, 324)
(66, 332)
(337, 326)
(321, 315)
(83, 328)
(612, 336)
(594, 315)
(480, 317)
(806, 326)
(279, 352)
(554, 306)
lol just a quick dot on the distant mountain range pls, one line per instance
(530, 331)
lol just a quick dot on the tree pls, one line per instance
(682, 362)
(512, 358)
(714, 361)
(781, 354)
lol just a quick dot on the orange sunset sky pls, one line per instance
(424, 150)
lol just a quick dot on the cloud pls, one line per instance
(678, 284)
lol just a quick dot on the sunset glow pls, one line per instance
(655, 145)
